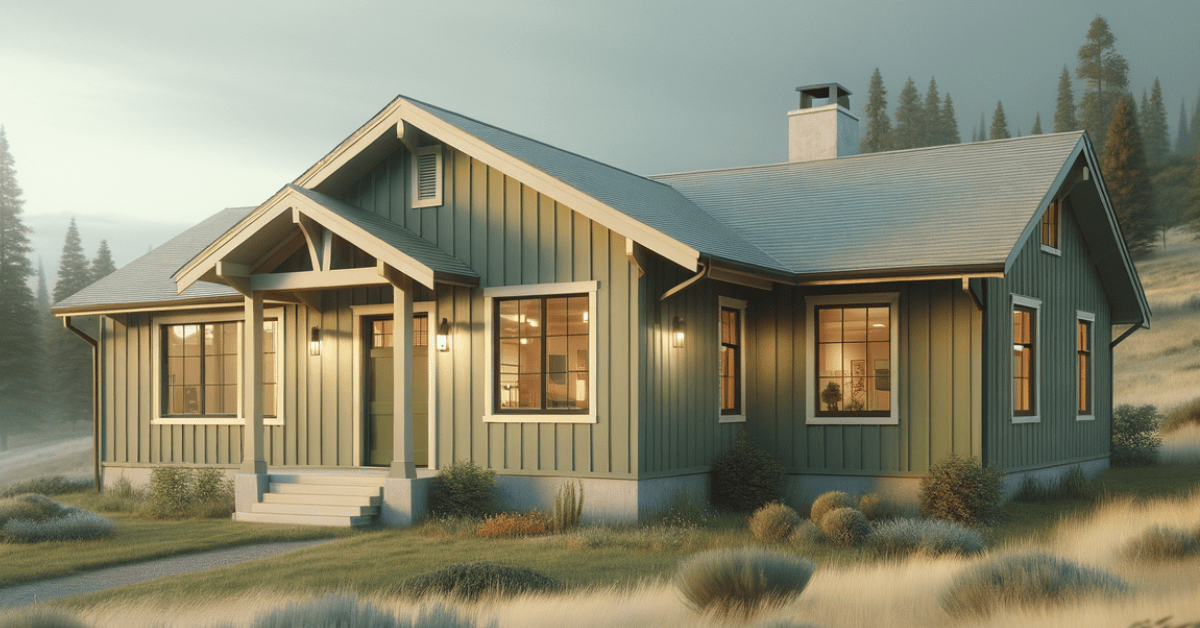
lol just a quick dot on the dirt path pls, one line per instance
(71, 457)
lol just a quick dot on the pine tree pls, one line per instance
(1194, 127)
(1037, 124)
(1064, 109)
(1158, 144)
(1143, 108)
(909, 129)
(932, 118)
(999, 129)
(20, 353)
(879, 125)
(982, 129)
(1107, 77)
(949, 122)
(1182, 147)
(103, 265)
(1127, 178)
(71, 363)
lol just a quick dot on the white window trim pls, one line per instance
(359, 379)
(1051, 250)
(1035, 305)
(810, 357)
(1080, 315)
(740, 305)
(436, 201)
(156, 349)
(537, 290)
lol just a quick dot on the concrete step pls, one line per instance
(322, 499)
(309, 520)
(328, 479)
(324, 489)
(311, 509)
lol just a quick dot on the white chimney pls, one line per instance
(823, 132)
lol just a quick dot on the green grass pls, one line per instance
(136, 539)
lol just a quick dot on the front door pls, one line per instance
(380, 406)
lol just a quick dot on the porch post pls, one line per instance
(402, 352)
(253, 459)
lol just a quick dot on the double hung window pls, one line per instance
(732, 359)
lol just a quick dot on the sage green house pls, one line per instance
(437, 289)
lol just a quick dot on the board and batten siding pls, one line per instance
(939, 379)
(1066, 284)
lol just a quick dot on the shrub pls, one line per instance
(876, 508)
(29, 508)
(1135, 442)
(120, 496)
(76, 525)
(932, 537)
(532, 523)
(568, 506)
(463, 489)
(963, 491)
(41, 617)
(845, 527)
(1034, 579)
(471, 581)
(774, 522)
(738, 582)
(53, 485)
(826, 503)
(343, 611)
(746, 477)
(807, 535)
(1072, 484)
(1188, 413)
(685, 509)
(1161, 543)
(177, 492)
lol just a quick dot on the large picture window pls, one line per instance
(542, 354)
(1025, 347)
(200, 371)
(853, 344)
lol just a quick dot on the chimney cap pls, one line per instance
(835, 92)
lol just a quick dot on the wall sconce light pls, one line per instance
(314, 345)
(443, 336)
(678, 332)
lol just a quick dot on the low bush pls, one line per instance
(807, 535)
(1034, 579)
(29, 508)
(1072, 484)
(532, 523)
(178, 492)
(121, 496)
(1161, 544)
(963, 491)
(740, 582)
(931, 537)
(470, 581)
(1187, 414)
(877, 508)
(845, 527)
(463, 489)
(746, 477)
(826, 503)
(1135, 441)
(53, 485)
(40, 617)
(76, 525)
(334, 610)
(568, 506)
(685, 509)
(774, 522)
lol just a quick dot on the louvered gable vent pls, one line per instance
(427, 177)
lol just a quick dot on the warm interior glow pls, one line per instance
(443, 336)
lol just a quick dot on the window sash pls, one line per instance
(533, 350)
(1024, 361)
(199, 377)
(731, 361)
(874, 342)
(1084, 366)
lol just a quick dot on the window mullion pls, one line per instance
(545, 348)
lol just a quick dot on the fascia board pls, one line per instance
(380, 123)
(206, 260)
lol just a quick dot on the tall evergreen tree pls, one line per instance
(1107, 80)
(1127, 178)
(102, 265)
(1194, 127)
(1037, 124)
(20, 353)
(982, 129)
(1184, 136)
(71, 363)
(999, 129)
(949, 122)
(1143, 108)
(909, 129)
(879, 125)
(932, 119)
(1064, 109)
(1157, 142)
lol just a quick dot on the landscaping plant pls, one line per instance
(746, 477)
(37, 518)
(963, 491)
(845, 527)
(1161, 544)
(826, 503)
(1135, 440)
(463, 489)
(931, 537)
(177, 492)
(774, 522)
(470, 581)
(53, 485)
(1034, 579)
(740, 582)
(532, 523)
(568, 506)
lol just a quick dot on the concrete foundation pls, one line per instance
(405, 501)
(248, 489)
(604, 500)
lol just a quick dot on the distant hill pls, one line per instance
(1161, 365)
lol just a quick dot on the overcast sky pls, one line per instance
(142, 118)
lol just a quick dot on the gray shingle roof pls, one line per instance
(649, 202)
(147, 280)
(957, 206)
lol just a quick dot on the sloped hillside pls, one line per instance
(1162, 365)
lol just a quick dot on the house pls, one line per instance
(438, 289)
